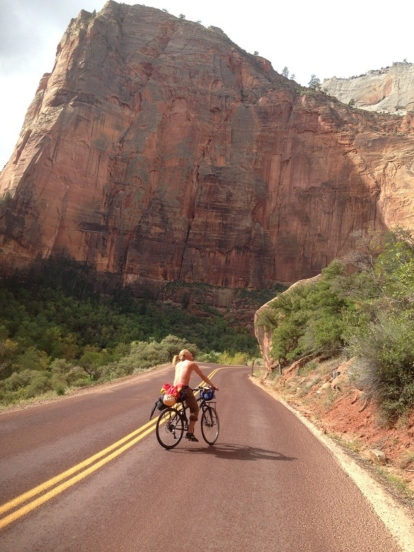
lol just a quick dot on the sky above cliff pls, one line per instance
(319, 38)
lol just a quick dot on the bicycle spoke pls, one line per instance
(210, 425)
(170, 428)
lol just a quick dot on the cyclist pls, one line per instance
(184, 367)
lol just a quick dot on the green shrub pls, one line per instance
(25, 385)
(212, 357)
(143, 355)
(386, 350)
(60, 389)
(31, 359)
(53, 311)
(18, 380)
(40, 383)
(308, 318)
(366, 312)
(237, 359)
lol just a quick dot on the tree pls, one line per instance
(91, 361)
(292, 76)
(8, 349)
(182, 16)
(314, 82)
(285, 72)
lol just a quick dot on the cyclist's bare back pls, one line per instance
(183, 371)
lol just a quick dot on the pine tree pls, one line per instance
(314, 82)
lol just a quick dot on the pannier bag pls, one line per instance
(169, 400)
(159, 404)
(172, 393)
(207, 394)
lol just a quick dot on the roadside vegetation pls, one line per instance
(361, 307)
(57, 332)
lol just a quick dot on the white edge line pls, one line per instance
(388, 510)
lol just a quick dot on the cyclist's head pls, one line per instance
(185, 354)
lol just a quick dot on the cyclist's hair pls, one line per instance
(181, 354)
(175, 359)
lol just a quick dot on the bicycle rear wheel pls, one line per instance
(210, 425)
(170, 428)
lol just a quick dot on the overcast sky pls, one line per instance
(321, 37)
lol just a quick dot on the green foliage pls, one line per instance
(387, 349)
(211, 356)
(145, 354)
(308, 318)
(237, 359)
(258, 296)
(368, 312)
(285, 72)
(24, 385)
(314, 82)
(54, 320)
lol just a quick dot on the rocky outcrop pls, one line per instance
(387, 90)
(159, 150)
(264, 325)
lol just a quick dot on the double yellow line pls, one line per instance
(49, 489)
(94, 462)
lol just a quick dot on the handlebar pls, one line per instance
(205, 393)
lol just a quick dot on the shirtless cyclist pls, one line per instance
(184, 367)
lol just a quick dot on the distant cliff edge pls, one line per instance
(387, 90)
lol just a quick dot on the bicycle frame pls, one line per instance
(175, 422)
(204, 405)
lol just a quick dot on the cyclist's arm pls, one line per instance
(198, 371)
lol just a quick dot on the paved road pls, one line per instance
(268, 483)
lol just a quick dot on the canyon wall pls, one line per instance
(159, 150)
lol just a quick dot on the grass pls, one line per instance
(352, 445)
(397, 484)
(307, 368)
(393, 482)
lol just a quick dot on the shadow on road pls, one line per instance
(237, 452)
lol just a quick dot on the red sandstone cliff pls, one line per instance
(160, 150)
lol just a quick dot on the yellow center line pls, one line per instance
(57, 490)
(133, 438)
(47, 484)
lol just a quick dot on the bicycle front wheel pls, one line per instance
(210, 425)
(170, 428)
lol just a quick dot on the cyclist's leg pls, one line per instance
(194, 408)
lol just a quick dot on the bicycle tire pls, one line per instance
(170, 428)
(210, 425)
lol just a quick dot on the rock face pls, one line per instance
(159, 150)
(388, 90)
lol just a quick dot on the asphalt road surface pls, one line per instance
(86, 473)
